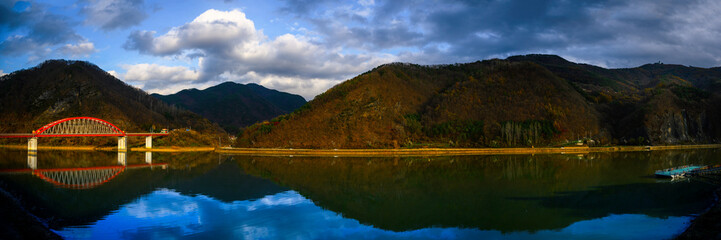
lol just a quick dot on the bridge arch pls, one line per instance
(79, 126)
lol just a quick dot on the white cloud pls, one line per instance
(153, 72)
(232, 49)
(157, 78)
(213, 30)
(2, 73)
(115, 74)
(366, 3)
(81, 49)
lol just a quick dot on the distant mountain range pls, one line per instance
(59, 89)
(530, 100)
(234, 105)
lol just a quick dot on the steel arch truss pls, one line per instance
(79, 127)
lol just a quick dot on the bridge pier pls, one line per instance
(149, 142)
(33, 144)
(123, 143)
(149, 157)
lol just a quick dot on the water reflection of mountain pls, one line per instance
(204, 174)
(506, 193)
(225, 182)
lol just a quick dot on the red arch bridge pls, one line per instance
(81, 127)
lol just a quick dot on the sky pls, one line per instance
(305, 47)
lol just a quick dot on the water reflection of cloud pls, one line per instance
(165, 214)
(162, 204)
(285, 198)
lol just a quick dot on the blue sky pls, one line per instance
(306, 47)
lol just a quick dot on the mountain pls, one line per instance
(530, 100)
(654, 103)
(285, 101)
(234, 105)
(59, 89)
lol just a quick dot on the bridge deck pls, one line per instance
(29, 135)
(16, 135)
(146, 134)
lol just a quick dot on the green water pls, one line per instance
(206, 195)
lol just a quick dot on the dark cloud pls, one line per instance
(376, 38)
(114, 14)
(44, 30)
(608, 32)
(337, 40)
(142, 41)
(302, 7)
(9, 18)
(53, 29)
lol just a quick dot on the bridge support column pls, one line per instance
(149, 157)
(33, 144)
(149, 142)
(123, 143)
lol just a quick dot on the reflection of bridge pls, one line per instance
(79, 178)
(82, 177)
(81, 127)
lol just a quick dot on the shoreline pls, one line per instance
(380, 152)
(451, 151)
(173, 149)
(707, 225)
(16, 222)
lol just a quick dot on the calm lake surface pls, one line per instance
(106, 195)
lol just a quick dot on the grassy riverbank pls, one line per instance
(380, 152)
(173, 149)
(450, 151)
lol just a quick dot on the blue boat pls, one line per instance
(677, 172)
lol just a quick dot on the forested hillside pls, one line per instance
(532, 100)
(58, 89)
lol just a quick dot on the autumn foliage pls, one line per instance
(490, 103)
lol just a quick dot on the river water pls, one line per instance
(106, 195)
